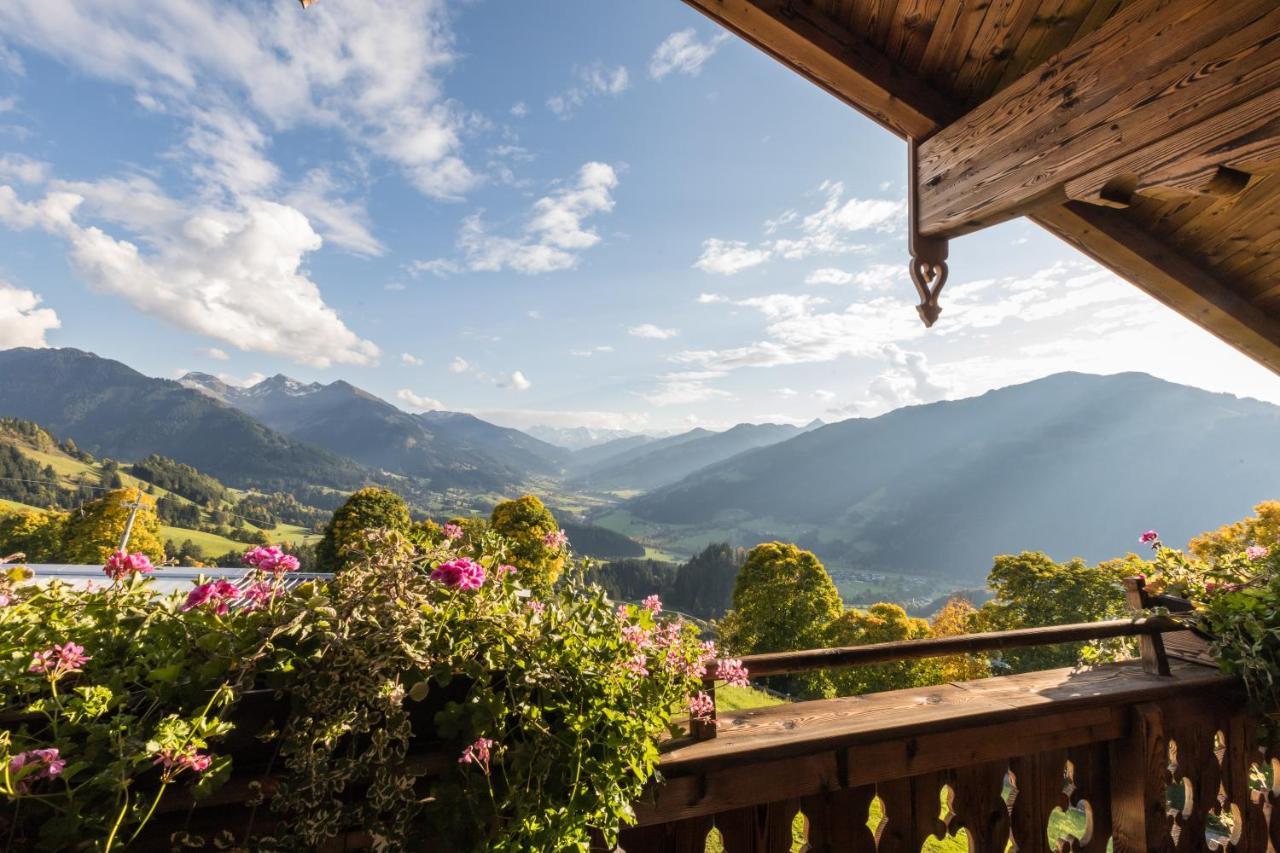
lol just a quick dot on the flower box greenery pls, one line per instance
(431, 694)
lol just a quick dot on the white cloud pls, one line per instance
(515, 381)
(829, 275)
(555, 233)
(411, 360)
(19, 167)
(825, 231)
(439, 267)
(589, 81)
(519, 109)
(649, 330)
(824, 395)
(215, 353)
(416, 401)
(587, 353)
(459, 365)
(729, 257)
(793, 236)
(234, 275)
(525, 418)
(786, 392)
(683, 388)
(875, 277)
(711, 298)
(375, 78)
(681, 52)
(341, 221)
(228, 150)
(10, 102)
(23, 323)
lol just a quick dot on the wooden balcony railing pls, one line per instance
(1148, 755)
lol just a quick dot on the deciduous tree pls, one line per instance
(92, 532)
(368, 509)
(879, 623)
(783, 600)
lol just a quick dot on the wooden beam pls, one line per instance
(1111, 238)
(844, 65)
(808, 41)
(1162, 82)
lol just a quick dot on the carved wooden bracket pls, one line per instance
(928, 254)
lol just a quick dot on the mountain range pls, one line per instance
(447, 449)
(1072, 464)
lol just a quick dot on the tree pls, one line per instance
(1031, 590)
(35, 533)
(1262, 528)
(93, 531)
(704, 585)
(526, 523)
(368, 509)
(954, 619)
(879, 623)
(783, 600)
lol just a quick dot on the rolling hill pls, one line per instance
(1071, 464)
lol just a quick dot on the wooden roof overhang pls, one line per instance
(1144, 132)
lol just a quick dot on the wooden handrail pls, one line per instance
(783, 663)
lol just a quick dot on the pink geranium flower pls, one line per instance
(38, 763)
(260, 594)
(653, 604)
(1149, 537)
(216, 595)
(453, 531)
(57, 661)
(732, 672)
(121, 565)
(175, 761)
(556, 539)
(478, 753)
(271, 559)
(1256, 552)
(506, 569)
(701, 706)
(460, 574)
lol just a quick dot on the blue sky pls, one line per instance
(548, 211)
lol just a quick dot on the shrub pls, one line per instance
(538, 546)
(368, 509)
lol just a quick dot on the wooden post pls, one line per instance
(1139, 771)
(1150, 646)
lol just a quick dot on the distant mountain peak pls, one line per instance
(281, 384)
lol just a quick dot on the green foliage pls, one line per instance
(180, 479)
(704, 585)
(368, 509)
(1231, 539)
(36, 534)
(954, 618)
(526, 523)
(879, 623)
(156, 678)
(569, 694)
(1236, 599)
(632, 580)
(1032, 590)
(783, 600)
